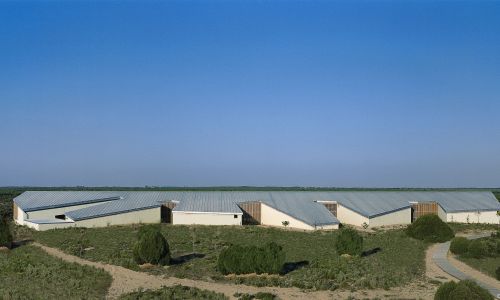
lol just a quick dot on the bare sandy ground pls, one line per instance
(125, 281)
(464, 268)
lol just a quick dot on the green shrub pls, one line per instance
(349, 241)
(459, 245)
(477, 249)
(497, 273)
(151, 246)
(176, 292)
(251, 259)
(463, 290)
(430, 228)
(5, 234)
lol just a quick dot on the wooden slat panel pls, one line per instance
(251, 212)
(420, 209)
(332, 207)
(14, 210)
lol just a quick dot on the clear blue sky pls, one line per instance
(371, 94)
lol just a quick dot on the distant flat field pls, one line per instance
(311, 256)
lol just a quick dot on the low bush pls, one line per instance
(497, 273)
(349, 241)
(459, 245)
(430, 228)
(238, 259)
(151, 246)
(477, 249)
(463, 290)
(176, 292)
(5, 234)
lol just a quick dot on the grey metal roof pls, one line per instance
(215, 202)
(298, 204)
(132, 201)
(38, 200)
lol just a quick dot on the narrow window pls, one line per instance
(62, 217)
(236, 216)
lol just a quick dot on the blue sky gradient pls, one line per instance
(326, 93)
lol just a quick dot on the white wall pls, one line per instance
(272, 217)
(21, 216)
(190, 218)
(347, 216)
(42, 227)
(489, 217)
(442, 213)
(394, 218)
(51, 213)
(150, 215)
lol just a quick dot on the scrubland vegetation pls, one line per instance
(482, 254)
(27, 272)
(151, 246)
(177, 292)
(463, 290)
(311, 260)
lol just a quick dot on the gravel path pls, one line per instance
(449, 264)
(126, 281)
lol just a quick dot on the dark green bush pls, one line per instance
(477, 249)
(497, 273)
(251, 259)
(5, 234)
(430, 228)
(349, 241)
(151, 246)
(463, 290)
(459, 245)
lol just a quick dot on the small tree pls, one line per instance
(430, 228)
(459, 245)
(151, 246)
(5, 234)
(349, 241)
(463, 290)
(285, 223)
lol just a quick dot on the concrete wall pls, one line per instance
(190, 218)
(489, 217)
(51, 213)
(21, 216)
(42, 227)
(442, 214)
(273, 217)
(151, 215)
(394, 218)
(347, 216)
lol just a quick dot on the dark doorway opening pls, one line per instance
(166, 212)
(60, 217)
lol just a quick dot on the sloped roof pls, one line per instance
(301, 205)
(39, 200)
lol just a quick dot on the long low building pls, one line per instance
(43, 210)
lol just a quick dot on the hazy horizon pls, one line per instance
(246, 93)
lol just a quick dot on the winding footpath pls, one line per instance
(126, 281)
(461, 271)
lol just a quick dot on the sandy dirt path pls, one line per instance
(432, 270)
(126, 281)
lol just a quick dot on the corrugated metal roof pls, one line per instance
(132, 201)
(298, 204)
(38, 200)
